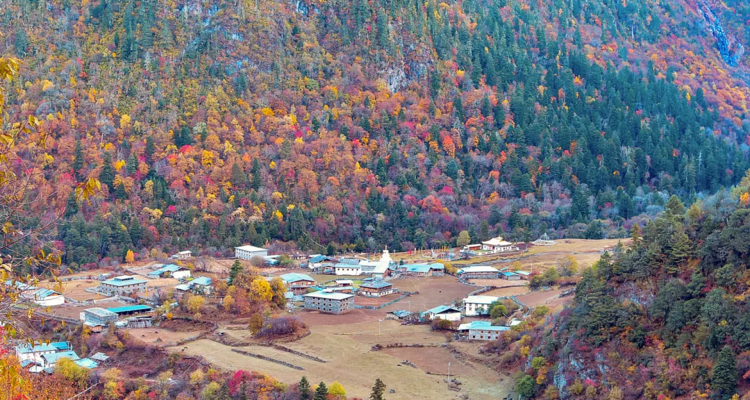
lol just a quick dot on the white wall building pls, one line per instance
(498, 245)
(443, 312)
(347, 269)
(247, 252)
(478, 305)
(183, 255)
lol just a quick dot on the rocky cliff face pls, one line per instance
(730, 49)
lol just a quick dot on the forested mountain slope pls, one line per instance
(666, 317)
(397, 122)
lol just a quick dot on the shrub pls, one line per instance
(442, 325)
(279, 326)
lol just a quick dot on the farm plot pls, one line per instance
(75, 289)
(507, 291)
(160, 337)
(433, 291)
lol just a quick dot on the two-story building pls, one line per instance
(96, 318)
(34, 353)
(123, 285)
(247, 252)
(478, 305)
(297, 283)
(376, 288)
(482, 330)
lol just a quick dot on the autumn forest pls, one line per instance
(364, 124)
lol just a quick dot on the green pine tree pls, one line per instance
(377, 390)
(235, 270)
(321, 392)
(136, 232)
(724, 377)
(257, 178)
(107, 174)
(78, 161)
(238, 177)
(150, 150)
(304, 389)
(71, 207)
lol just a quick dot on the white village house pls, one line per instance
(183, 255)
(247, 252)
(350, 267)
(498, 245)
(482, 330)
(448, 313)
(478, 305)
(43, 297)
(378, 269)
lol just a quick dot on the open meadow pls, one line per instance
(350, 360)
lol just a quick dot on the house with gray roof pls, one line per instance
(333, 303)
(123, 285)
(434, 269)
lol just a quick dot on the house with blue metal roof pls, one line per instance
(130, 310)
(170, 270)
(421, 269)
(398, 314)
(297, 283)
(376, 288)
(42, 296)
(49, 360)
(510, 275)
(200, 285)
(482, 330)
(33, 353)
(87, 363)
(448, 313)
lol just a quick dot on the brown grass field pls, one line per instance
(75, 290)
(498, 283)
(153, 334)
(534, 299)
(507, 291)
(374, 301)
(350, 361)
(433, 291)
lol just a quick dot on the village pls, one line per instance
(426, 313)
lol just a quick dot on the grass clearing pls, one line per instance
(350, 361)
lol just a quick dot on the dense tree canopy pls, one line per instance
(399, 123)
